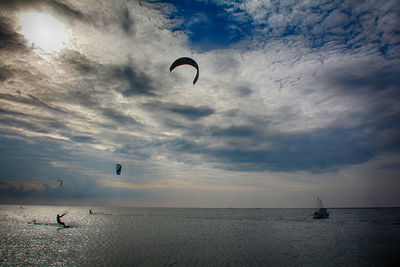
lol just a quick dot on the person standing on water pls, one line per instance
(59, 220)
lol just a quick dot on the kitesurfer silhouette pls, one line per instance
(59, 220)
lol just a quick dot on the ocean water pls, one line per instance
(198, 237)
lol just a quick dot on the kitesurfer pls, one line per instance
(59, 220)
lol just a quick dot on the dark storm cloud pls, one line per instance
(86, 98)
(33, 162)
(94, 102)
(43, 125)
(317, 151)
(244, 91)
(20, 192)
(137, 83)
(9, 39)
(21, 160)
(127, 21)
(29, 100)
(12, 113)
(375, 87)
(234, 131)
(140, 148)
(117, 117)
(189, 112)
(5, 73)
(366, 79)
(125, 78)
(79, 62)
(83, 139)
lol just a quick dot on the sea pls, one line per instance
(30, 236)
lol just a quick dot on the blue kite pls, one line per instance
(118, 169)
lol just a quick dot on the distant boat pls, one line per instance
(320, 212)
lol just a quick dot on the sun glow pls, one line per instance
(44, 31)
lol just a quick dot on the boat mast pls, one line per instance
(319, 203)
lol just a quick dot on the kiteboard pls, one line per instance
(34, 222)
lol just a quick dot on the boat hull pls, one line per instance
(320, 215)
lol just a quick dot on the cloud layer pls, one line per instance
(286, 89)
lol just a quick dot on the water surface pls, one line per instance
(198, 237)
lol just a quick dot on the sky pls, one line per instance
(295, 99)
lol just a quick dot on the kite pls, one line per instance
(186, 61)
(118, 169)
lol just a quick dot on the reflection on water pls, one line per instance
(198, 237)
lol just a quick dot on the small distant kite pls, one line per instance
(118, 169)
(61, 182)
(186, 61)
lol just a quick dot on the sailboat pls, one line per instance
(320, 212)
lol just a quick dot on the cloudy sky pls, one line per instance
(295, 99)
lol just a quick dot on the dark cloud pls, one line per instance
(12, 113)
(127, 21)
(29, 100)
(83, 139)
(137, 83)
(189, 112)
(375, 88)
(21, 192)
(9, 39)
(34, 160)
(22, 160)
(5, 73)
(38, 125)
(244, 91)
(125, 78)
(365, 79)
(87, 98)
(79, 62)
(117, 117)
(234, 131)
(140, 150)
(246, 149)
(93, 100)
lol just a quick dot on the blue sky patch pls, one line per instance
(207, 24)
